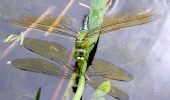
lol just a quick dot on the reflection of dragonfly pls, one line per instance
(100, 70)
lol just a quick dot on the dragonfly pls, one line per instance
(96, 71)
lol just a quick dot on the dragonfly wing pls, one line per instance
(40, 66)
(124, 20)
(64, 27)
(107, 70)
(114, 92)
(50, 50)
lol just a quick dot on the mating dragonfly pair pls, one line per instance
(100, 70)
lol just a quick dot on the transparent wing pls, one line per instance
(114, 92)
(42, 66)
(104, 69)
(50, 50)
(65, 27)
(124, 20)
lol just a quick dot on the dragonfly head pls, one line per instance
(81, 46)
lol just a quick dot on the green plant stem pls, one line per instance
(82, 80)
(80, 88)
(69, 87)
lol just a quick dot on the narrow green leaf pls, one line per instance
(103, 89)
(38, 94)
(10, 38)
(21, 38)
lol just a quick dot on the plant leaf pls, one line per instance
(38, 94)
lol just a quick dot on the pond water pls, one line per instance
(143, 51)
